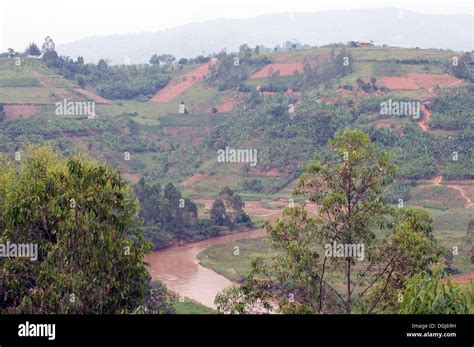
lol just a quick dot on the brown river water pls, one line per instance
(179, 269)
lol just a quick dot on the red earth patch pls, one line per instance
(284, 69)
(426, 80)
(462, 279)
(418, 80)
(92, 96)
(228, 105)
(403, 83)
(182, 83)
(20, 111)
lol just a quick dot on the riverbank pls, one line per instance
(224, 260)
(163, 240)
(183, 305)
(257, 210)
(178, 268)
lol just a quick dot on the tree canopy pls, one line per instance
(83, 219)
(386, 245)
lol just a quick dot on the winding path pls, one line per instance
(436, 182)
(426, 116)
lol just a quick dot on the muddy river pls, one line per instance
(179, 269)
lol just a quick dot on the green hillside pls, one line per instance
(230, 106)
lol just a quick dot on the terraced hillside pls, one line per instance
(175, 135)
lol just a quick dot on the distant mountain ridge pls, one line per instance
(389, 26)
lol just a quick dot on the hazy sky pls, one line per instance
(23, 21)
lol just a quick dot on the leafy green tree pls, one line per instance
(173, 217)
(166, 59)
(154, 60)
(81, 82)
(234, 205)
(52, 59)
(348, 190)
(410, 249)
(463, 69)
(425, 293)
(157, 301)
(48, 45)
(102, 65)
(33, 50)
(167, 210)
(245, 52)
(150, 201)
(83, 218)
(218, 213)
(350, 194)
(171, 193)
